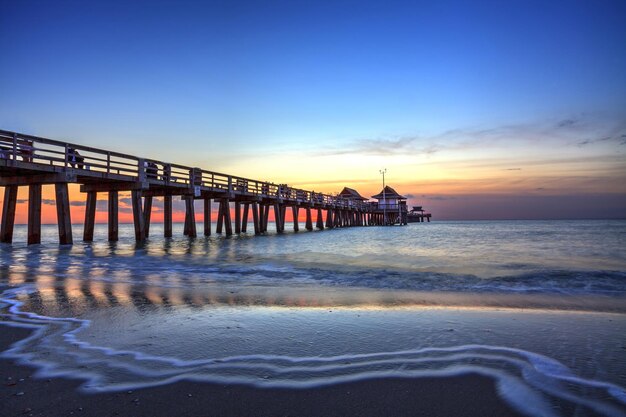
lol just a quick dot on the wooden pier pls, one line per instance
(31, 161)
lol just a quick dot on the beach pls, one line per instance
(398, 397)
(303, 324)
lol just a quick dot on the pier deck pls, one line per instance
(32, 161)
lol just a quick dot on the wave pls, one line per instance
(528, 381)
(193, 271)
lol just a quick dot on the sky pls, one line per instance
(478, 110)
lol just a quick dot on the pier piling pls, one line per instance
(64, 220)
(8, 214)
(113, 216)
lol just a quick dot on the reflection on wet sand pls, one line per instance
(73, 295)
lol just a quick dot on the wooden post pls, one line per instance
(34, 214)
(277, 213)
(320, 219)
(255, 218)
(283, 212)
(167, 216)
(294, 211)
(309, 223)
(329, 218)
(244, 219)
(207, 217)
(220, 218)
(113, 216)
(186, 225)
(227, 221)
(147, 212)
(90, 216)
(191, 213)
(8, 214)
(237, 217)
(137, 215)
(64, 220)
(261, 212)
(266, 217)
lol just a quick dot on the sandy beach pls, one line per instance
(25, 394)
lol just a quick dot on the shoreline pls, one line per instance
(469, 395)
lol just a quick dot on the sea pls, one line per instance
(537, 306)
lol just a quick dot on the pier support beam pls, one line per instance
(278, 217)
(265, 217)
(114, 217)
(283, 216)
(8, 213)
(244, 218)
(207, 217)
(309, 222)
(191, 217)
(261, 208)
(255, 218)
(186, 224)
(34, 214)
(167, 216)
(90, 216)
(237, 217)
(227, 219)
(135, 196)
(147, 212)
(294, 212)
(220, 218)
(320, 219)
(64, 220)
(329, 218)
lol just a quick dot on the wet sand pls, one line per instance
(23, 394)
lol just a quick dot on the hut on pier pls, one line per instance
(351, 195)
(418, 215)
(392, 205)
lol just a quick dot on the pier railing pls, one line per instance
(101, 163)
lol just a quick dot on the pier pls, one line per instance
(32, 161)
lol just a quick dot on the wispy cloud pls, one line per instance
(620, 140)
(564, 132)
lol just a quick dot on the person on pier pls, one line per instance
(26, 149)
(75, 159)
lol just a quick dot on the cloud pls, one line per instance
(562, 132)
(620, 140)
(382, 146)
(566, 123)
(512, 169)
(44, 201)
(439, 197)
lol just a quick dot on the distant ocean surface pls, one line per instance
(537, 305)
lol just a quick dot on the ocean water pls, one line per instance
(539, 306)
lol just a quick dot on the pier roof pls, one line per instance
(388, 192)
(351, 194)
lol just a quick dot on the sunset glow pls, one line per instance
(536, 133)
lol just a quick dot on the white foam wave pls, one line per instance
(528, 381)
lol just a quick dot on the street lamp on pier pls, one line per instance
(383, 171)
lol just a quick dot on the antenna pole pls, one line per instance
(383, 171)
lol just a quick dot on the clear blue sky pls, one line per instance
(271, 77)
